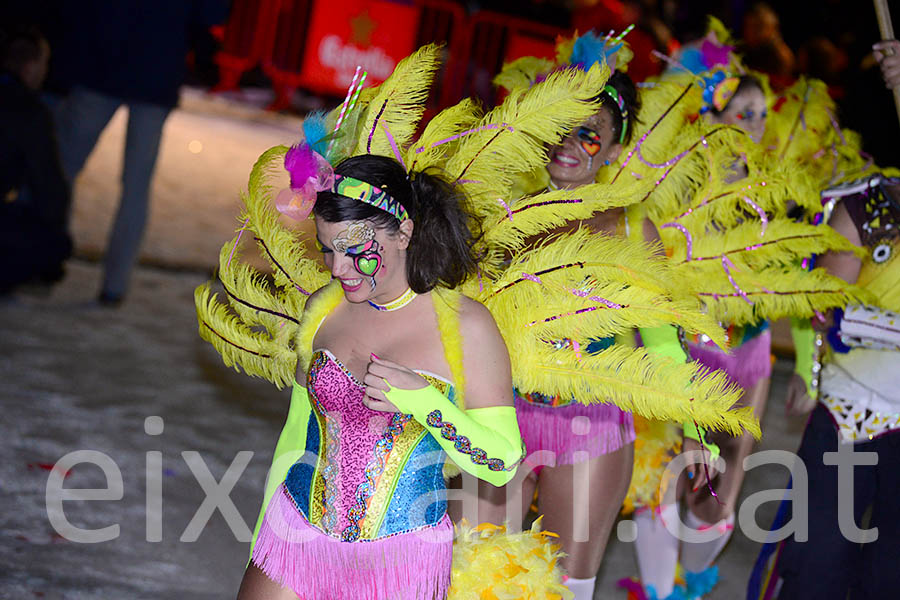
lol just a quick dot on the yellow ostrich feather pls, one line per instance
(240, 345)
(523, 72)
(234, 330)
(656, 443)
(755, 246)
(803, 131)
(398, 104)
(252, 298)
(636, 381)
(549, 280)
(293, 271)
(722, 206)
(491, 564)
(775, 292)
(543, 212)
(432, 147)
(517, 132)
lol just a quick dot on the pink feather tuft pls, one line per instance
(300, 161)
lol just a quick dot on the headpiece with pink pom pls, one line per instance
(310, 169)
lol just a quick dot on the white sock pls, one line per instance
(698, 557)
(656, 548)
(582, 588)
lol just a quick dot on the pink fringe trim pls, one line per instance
(316, 566)
(595, 429)
(747, 364)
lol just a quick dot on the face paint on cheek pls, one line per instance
(589, 140)
(367, 260)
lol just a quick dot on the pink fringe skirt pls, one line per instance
(747, 363)
(564, 435)
(414, 565)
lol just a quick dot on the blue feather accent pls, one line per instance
(590, 49)
(700, 584)
(692, 58)
(315, 132)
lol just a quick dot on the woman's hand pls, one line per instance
(695, 471)
(887, 53)
(797, 401)
(381, 376)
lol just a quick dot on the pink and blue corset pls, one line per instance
(363, 513)
(377, 474)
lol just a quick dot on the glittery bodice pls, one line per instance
(367, 472)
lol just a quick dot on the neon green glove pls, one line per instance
(664, 340)
(291, 445)
(489, 436)
(694, 432)
(806, 352)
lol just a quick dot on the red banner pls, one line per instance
(521, 44)
(346, 33)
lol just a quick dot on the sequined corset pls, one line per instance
(374, 474)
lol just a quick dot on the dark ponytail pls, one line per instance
(441, 248)
(623, 84)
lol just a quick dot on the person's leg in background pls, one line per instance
(580, 503)
(81, 118)
(827, 565)
(880, 577)
(145, 125)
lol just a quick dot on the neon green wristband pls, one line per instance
(489, 436)
(664, 340)
(694, 432)
(807, 348)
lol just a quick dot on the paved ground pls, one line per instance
(77, 377)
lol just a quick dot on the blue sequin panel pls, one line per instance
(420, 497)
(299, 478)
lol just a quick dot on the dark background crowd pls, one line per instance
(69, 65)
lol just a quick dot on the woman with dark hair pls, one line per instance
(401, 369)
(382, 388)
(746, 109)
(591, 447)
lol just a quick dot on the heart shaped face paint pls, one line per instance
(367, 264)
(590, 140)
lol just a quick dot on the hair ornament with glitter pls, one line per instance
(310, 174)
(719, 87)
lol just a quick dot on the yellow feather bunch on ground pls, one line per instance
(656, 443)
(491, 564)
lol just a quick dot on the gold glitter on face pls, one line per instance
(356, 234)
